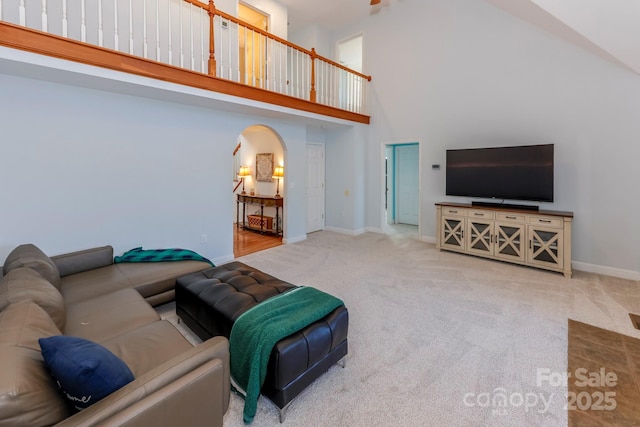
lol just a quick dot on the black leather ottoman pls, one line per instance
(210, 301)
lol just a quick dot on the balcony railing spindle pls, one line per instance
(116, 43)
(22, 12)
(157, 30)
(83, 21)
(131, 27)
(145, 53)
(181, 35)
(248, 55)
(44, 16)
(170, 32)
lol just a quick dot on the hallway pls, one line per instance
(246, 242)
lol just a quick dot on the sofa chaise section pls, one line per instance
(84, 294)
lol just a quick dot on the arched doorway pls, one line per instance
(259, 168)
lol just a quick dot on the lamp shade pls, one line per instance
(278, 172)
(244, 171)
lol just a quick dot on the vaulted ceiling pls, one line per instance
(608, 28)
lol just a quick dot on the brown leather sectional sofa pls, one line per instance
(84, 294)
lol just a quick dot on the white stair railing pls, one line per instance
(180, 32)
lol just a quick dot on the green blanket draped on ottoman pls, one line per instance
(256, 332)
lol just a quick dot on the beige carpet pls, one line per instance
(437, 338)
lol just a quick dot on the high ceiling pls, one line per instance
(608, 28)
(330, 14)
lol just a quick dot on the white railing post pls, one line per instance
(22, 12)
(44, 15)
(170, 35)
(157, 30)
(202, 49)
(83, 22)
(65, 23)
(181, 35)
(100, 29)
(116, 42)
(192, 59)
(131, 27)
(145, 52)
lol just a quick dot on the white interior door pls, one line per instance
(406, 172)
(315, 187)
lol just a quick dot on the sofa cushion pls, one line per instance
(28, 394)
(85, 260)
(24, 283)
(92, 283)
(107, 316)
(85, 371)
(148, 346)
(29, 255)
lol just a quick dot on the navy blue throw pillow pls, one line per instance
(85, 371)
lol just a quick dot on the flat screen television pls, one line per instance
(509, 173)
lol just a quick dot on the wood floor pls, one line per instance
(246, 242)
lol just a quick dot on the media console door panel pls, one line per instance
(479, 236)
(545, 247)
(510, 241)
(451, 229)
(540, 240)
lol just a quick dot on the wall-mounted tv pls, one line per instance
(510, 173)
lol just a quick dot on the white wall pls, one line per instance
(314, 36)
(477, 76)
(277, 15)
(82, 167)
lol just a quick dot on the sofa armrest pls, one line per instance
(191, 389)
(88, 259)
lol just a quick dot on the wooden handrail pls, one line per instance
(105, 57)
(311, 52)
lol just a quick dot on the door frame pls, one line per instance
(383, 148)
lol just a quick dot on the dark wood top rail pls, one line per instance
(506, 208)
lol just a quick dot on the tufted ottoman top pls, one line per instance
(209, 302)
(228, 291)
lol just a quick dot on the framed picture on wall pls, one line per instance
(264, 167)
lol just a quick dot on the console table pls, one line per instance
(534, 238)
(262, 201)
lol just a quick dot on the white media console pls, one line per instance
(534, 238)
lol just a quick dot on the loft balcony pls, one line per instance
(186, 42)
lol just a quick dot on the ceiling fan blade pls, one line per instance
(374, 2)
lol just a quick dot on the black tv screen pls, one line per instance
(515, 173)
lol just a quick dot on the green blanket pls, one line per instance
(257, 330)
(159, 255)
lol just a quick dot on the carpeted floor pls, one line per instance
(437, 338)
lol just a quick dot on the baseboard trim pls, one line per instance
(345, 231)
(222, 259)
(428, 239)
(294, 239)
(606, 271)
